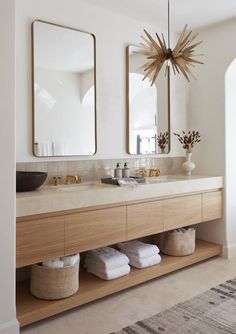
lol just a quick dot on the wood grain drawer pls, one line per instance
(93, 229)
(212, 205)
(39, 240)
(182, 211)
(144, 219)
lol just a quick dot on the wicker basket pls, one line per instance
(54, 283)
(178, 244)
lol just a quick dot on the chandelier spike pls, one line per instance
(181, 58)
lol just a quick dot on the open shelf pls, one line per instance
(31, 309)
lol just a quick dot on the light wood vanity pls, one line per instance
(49, 235)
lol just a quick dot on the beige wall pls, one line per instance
(8, 324)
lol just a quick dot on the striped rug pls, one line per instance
(213, 312)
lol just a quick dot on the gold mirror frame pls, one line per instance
(33, 93)
(128, 107)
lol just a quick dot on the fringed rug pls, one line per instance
(213, 312)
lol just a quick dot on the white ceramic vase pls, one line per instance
(188, 165)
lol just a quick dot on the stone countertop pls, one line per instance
(59, 198)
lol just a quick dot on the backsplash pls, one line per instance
(92, 170)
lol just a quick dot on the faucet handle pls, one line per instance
(56, 180)
(77, 179)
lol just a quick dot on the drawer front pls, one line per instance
(39, 240)
(144, 219)
(212, 205)
(93, 229)
(182, 211)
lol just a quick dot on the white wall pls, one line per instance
(230, 156)
(113, 33)
(8, 323)
(206, 113)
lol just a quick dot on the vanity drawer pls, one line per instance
(182, 211)
(212, 205)
(144, 219)
(93, 229)
(39, 240)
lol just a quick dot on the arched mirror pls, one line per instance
(64, 91)
(148, 108)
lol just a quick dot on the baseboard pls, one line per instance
(229, 251)
(11, 327)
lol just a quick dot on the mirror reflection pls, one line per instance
(64, 91)
(148, 108)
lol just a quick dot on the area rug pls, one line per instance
(213, 312)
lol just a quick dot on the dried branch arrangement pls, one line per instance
(163, 140)
(189, 139)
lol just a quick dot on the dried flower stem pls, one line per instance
(189, 139)
(163, 140)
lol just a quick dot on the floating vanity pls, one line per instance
(58, 221)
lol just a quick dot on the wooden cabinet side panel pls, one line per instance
(212, 205)
(39, 240)
(93, 229)
(182, 211)
(144, 219)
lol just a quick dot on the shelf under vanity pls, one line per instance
(51, 234)
(31, 309)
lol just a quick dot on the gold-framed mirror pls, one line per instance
(148, 108)
(64, 90)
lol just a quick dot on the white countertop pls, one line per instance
(51, 198)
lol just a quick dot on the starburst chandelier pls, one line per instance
(158, 53)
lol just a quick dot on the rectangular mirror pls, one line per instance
(148, 108)
(64, 91)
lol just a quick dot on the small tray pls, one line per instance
(114, 180)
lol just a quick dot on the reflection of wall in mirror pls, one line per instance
(64, 114)
(148, 107)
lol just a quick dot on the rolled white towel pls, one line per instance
(110, 274)
(106, 258)
(44, 149)
(70, 260)
(138, 262)
(139, 248)
(55, 263)
(59, 148)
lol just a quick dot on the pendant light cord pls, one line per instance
(168, 24)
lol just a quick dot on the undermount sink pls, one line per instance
(73, 187)
(164, 178)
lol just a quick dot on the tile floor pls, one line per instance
(124, 308)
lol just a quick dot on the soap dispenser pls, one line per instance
(125, 170)
(118, 171)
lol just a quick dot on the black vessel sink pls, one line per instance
(28, 181)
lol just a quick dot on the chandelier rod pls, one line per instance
(168, 24)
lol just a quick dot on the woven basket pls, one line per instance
(54, 283)
(178, 244)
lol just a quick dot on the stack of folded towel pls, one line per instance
(140, 254)
(107, 263)
(60, 262)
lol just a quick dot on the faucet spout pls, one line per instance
(75, 178)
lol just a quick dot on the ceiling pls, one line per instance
(196, 13)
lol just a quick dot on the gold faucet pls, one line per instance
(76, 178)
(143, 173)
(56, 180)
(148, 172)
(154, 172)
